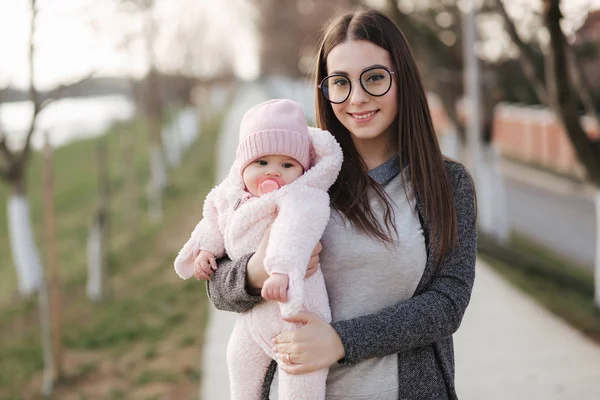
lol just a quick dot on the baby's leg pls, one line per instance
(315, 297)
(247, 364)
(302, 387)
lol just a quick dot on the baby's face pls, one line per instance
(281, 169)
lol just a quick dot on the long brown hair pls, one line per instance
(418, 145)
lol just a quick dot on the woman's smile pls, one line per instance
(363, 117)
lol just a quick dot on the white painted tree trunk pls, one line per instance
(154, 203)
(187, 123)
(171, 138)
(450, 144)
(500, 222)
(491, 196)
(158, 172)
(158, 181)
(31, 277)
(597, 269)
(94, 253)
(24, 251)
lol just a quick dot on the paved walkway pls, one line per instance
(508, 347)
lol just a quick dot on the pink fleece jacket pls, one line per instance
(234, 221)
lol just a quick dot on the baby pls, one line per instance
(279, 180)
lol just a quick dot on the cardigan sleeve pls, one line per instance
(431, 315)
(228, 290)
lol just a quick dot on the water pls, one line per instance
(65, 120)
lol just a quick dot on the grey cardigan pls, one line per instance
(419, 330)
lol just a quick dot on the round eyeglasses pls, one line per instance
(376, 81)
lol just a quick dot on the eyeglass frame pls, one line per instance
(392, 73)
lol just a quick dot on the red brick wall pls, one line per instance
(530, 134)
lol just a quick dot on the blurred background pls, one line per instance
(117, 117)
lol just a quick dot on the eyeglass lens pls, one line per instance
(376, 82)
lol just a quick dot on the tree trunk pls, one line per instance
(597, 274)
(24, 250)
(158, 181)
(526, 55)
(562, 96)
(154, 203)
(494, 216)
(53, 284)
(564, 101)
(189, 127)
(94, 254)
(98, 287)
(47, 350)
(130, 199)
(450, 144)
(171, 139)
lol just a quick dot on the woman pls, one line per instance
(398, 254)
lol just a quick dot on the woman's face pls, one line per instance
(366, 117)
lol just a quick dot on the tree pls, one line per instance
(25, 253)
(440, 62)
(289, 32)
(13, 172)
(152, 106)
(435, 32)
(560, 86)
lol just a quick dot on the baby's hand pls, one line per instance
(204, 265)
(275, 288)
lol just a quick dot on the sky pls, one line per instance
(77, 37)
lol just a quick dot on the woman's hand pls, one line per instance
(312, 347)
(313, 263)
(257, 275)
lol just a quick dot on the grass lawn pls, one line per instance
(145, 342)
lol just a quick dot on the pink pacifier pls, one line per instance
(269, 185)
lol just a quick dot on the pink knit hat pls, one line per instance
(275, 127)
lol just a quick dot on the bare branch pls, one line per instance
(8, 155)
(33, 93)
(526, 55)
(430, 44)
(58, 91)
(434, 51)
(582, 85)
(39, 105)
